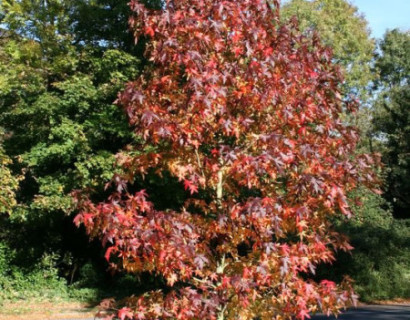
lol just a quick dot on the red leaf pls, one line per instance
(78, 219)
(149, 31)
(189, 185)
(108, 253)
(125, 313)
(303, 314)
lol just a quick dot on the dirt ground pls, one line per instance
(73, 310)
(46, 311)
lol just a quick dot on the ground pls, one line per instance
(76, 311)
(46, 310)
(376, 312)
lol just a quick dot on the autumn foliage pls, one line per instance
(246, 114)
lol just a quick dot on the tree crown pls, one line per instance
(246, 115)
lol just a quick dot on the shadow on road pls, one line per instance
(398, 312)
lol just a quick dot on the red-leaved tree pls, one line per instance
(246, 114)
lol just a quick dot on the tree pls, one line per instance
(9, 183)
(372, 231)
(392, 60)
(391, 117)
(246, 115)
(341, 27)
(104, 23)
(61, 126)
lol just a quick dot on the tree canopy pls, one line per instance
(61, 128)
(9, 182)
(245, 113)
(341, 27)
(214, 132)
(391, 118)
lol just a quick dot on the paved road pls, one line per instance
(398, 312)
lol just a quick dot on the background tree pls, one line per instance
(341, 27)
(246, 115)
(104, 23)
(57, 87)
(380, 261)
(9, 183)
(392, 59)
(391, 118)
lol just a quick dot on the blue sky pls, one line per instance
(384, 14)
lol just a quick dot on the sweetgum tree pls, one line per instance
(246, 115)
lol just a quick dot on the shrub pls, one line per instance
(41, 281)
(380, 261)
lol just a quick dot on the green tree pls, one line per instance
(381, 256)
(65, 128)
(393, 59)
(381, 244)
(9, 182)
(56, 108)
(391, 117)
(341, 27)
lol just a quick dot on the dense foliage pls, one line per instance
(380, 261)
(62, 63)
(391, 121)
(61, 128)
(246, 115)
(9, 183)
(341, 27)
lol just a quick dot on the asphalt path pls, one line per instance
(377, 312)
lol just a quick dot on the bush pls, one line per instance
(5, 258)
(380, 261)
(39, 282)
